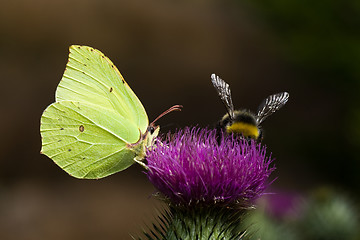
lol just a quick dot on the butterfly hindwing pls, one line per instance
(85, 141)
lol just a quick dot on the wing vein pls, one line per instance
(100, 159)
(98, 125)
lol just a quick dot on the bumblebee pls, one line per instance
(245, 122)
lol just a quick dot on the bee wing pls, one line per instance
(224, 92)
(270, 105)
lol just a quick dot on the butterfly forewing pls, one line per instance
(86, 141)
(90, 77)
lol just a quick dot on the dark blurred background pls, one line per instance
(166, 51)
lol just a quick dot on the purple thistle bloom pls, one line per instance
(193, 166)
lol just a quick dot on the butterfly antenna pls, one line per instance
(173, 108)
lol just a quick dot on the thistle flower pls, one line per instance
(196, 166)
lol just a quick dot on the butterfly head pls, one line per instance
(153, 130)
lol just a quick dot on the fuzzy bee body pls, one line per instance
(245, 122)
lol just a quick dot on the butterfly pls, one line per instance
(97, 126)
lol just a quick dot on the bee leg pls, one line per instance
(219, 132)
(261, 136)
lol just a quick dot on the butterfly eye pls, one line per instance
(151, 129)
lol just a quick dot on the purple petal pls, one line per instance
(193, 166)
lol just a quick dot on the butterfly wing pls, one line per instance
(87, 141)
(94, 128)
(91, 77)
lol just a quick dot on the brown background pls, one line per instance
(166, 51)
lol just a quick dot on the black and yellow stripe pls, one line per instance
(246, 129)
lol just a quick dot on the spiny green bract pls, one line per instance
(200, 222)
